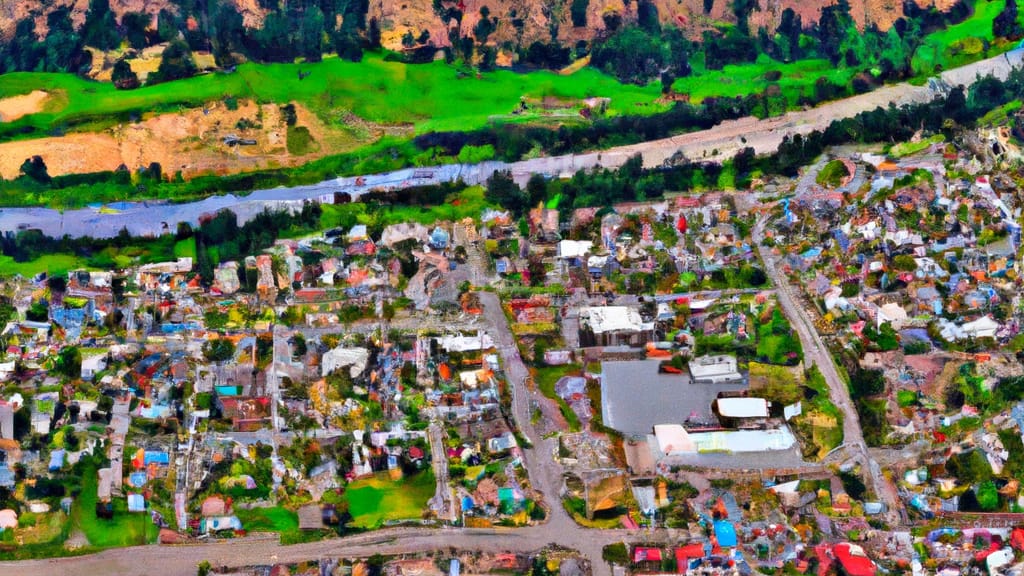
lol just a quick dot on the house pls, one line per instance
(167, 275)
(225, 278)
(735, 411)
(718, 369)
(136, 503)
(502, 443)
(214, 506)
(355, 359)
(8, 519)
(613, 326)
(853, 560)
(93, 364)
(218, 523)
(247, 414)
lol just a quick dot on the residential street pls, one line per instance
(545, 474)
(817, 353)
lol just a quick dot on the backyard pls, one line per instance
(124, 529)
(377, 499)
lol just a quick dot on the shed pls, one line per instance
(136, 503)
(8, 519)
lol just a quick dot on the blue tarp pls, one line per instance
(467, 503)
(56, 460)
(137, 479)
(153, 457)
(725, 533)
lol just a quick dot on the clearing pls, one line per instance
(15, 107)
(377, 499)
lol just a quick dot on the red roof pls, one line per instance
(854, 564)
(415, 452)
(685, 553)
(641, 554)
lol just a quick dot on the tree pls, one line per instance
(35, 168)
(176, 63)
(988, 495)
(123, 76)
(502, 190)
(69, 362)
(63, 45)
(578, 12)
(311, 31)
(100, 28)
(219, 350)
(134, 25)
(536, 189)
(864, 383)
(1006, 24)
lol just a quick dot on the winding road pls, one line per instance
(722, 141)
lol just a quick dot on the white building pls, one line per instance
(720, 369)
(355, 359)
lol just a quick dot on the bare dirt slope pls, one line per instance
(191, 142)
(17, 106)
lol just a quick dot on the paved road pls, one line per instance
(545, 475)
(722, 141)
(816, 353)
(442, 502)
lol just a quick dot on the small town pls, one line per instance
(817, 375)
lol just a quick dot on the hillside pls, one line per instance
(519, 22)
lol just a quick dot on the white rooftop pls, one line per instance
(743, 407)
(603, 319)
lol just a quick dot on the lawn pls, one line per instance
(545, 379)
(124, 529)
(376, 499)
(276, 519)
(50, 263)
(185, 248)
(742, 79)
(962, 43)
(433, 96)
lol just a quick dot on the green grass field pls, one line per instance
(468, 203)
(124, 529)
(428, 96)
(962, 43)
(51, 263)
(376, 499)
(742, 79)
(276, 519)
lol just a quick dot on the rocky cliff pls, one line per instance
(519, 22)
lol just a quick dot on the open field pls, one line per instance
(743, 79)
(432, 96)
(962, 43)
(376, 499)
(275, 519)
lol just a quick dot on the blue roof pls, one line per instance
(137, 479)
(725, 533)
(156, 458)
(467, 503)
(56, 459)
(136, 503)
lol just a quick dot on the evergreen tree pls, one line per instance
(175, 63)
(100, 29)
(63, 45)
(123, 77)
(1006, 24)
(134, 25)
